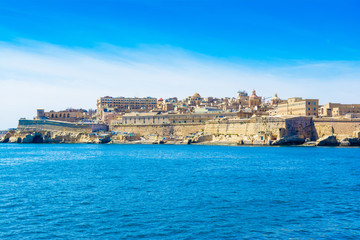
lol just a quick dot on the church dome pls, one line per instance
(275, 97)
(196, 95)
(254, 94)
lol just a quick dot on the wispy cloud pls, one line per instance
(34, 75)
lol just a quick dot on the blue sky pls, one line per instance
(260, 30)
(103, 47)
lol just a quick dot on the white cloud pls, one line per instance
(38, 75)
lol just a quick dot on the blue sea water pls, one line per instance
(79, 191)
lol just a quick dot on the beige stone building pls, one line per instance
(298, 106)
(275, 100)
(338, 109)
(68, 115)
(242, 99)
(254, 100)
(127, 103)
(156, 118)
(193, 100)
(122, 104)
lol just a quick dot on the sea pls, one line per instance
(89, 191)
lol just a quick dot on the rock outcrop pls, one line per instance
(350, 142)
(327, 141)
(291, 140)
(19, 136)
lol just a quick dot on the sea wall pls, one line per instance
(163, 130)
(263, 128)
(48, 125)
(342, 128)
(258, 128)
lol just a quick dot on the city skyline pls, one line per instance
(67, 54)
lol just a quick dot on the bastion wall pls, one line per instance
(46, 125)
(163, 130)
(340, 127)
(265, 128)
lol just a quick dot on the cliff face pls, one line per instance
(45, 131)
(49, 125)
(28, 136)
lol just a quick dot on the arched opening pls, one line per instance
(38, 139)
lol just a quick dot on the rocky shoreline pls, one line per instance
(20, 136)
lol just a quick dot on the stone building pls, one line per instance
(68, 115)
(127, 103)
(242, 99)
(166, 105)
(193, 100)
(122, 104)
(298, 106)
(156, 118)
(275, 100)
(338, 109)
(254, 100)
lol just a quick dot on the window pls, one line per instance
(314, 103)
(309, 108)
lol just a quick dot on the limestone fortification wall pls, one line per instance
(232, 130)
(270, 128)
(340, 127)
(301, 126)
(164, 130)
(247, 127)
(264, 128)
(46, 125)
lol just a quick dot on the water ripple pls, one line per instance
(67, 191)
